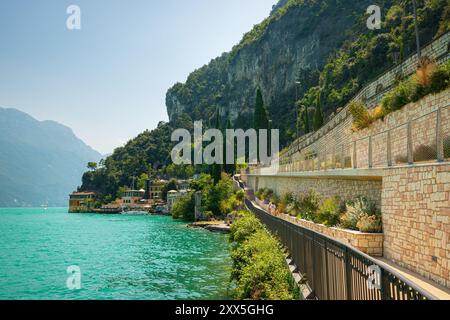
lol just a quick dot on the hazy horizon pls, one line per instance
(108, 81)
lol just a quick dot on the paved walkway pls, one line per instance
(428, 285)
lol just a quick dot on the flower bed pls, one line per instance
(369, 243)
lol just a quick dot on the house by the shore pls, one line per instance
(82, 202)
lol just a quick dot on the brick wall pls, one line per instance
(416, 219)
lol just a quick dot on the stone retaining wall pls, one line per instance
(371, 94)
(345, 189)
(416, 219)
(369, 243)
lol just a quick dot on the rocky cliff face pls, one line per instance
(286, 46)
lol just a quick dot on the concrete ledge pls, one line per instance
(350, 174)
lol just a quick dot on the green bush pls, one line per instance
(184, 208)
(440, 78)
(309, 205)
(240, 196)
(370, 224)
(399, 96)
(294, 208)
(361, 116)
(258, 194)
(261, 193)
(275, 199)
(285, 201)
(329, 212)
(244, 227)
(413, 89)
(267, 194)
(259, 269)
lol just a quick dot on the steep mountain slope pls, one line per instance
(40, 162)
(323, 43)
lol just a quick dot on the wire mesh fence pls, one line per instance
(425, 138)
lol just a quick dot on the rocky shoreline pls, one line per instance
(213, 226)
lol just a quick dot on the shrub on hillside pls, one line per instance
(329, 212)
(184, 208)
(361, 116)
(244, 227)
(424, 72)
(428, 79)
(440, 78)
(267, 194)
(259, 269)
(258, 194)
(275, 199)
(370, 224)
(285, 201)
(294, 208)
(309, 205)
(399, 96)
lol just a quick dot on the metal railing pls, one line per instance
(425, 138)
(335, 271)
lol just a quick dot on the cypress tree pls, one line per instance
(260, 118)
(304, 119)
(216, 169)
(318, 114)
(229, 168)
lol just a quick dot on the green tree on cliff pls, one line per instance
(303, 121)
(318, 114)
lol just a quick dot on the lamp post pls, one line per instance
(416, 27)
(269, 131)
(297, 84)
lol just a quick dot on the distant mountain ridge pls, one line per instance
(41, 162)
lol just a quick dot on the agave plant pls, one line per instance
(356, 210)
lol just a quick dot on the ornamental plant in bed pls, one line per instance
(360, 214)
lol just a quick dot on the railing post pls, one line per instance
(326, 269)
(389, 149)
(342, 156)
(439, 140)
(335, 158)
(348, 275)
(410, 144)
(370, 153)
(385, 292)
(355, 165)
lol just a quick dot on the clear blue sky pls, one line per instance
(108, 80)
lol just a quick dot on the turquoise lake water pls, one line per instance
(120, 257)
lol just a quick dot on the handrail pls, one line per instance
(392, 285)
(316, 135)
(345, 147)
(384, 267)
